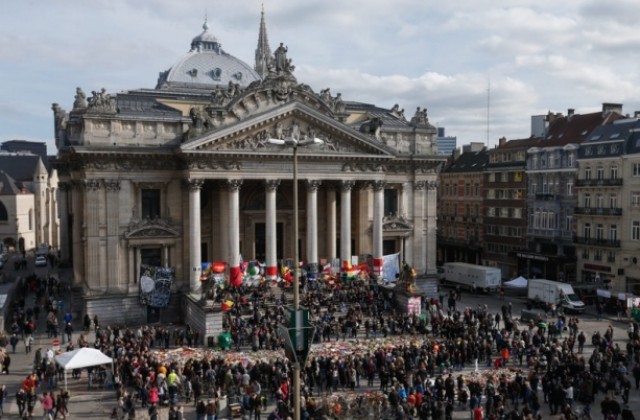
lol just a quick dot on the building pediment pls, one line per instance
(396, 224)
(150, 228)
(251, 135)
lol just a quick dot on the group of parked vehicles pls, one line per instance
(540, 292)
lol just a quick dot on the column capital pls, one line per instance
(419, 185)
(193, 184)
(347, 185)
(65, 186)
(91, 184)
(313, 184)
(378, 185)
(234, 184)
(111, 185)
(431, 185)
(272, 184)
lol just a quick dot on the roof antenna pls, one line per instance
(488, 110)
(205, 26)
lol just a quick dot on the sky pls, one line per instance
(482, 68)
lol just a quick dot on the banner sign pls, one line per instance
(155, 285)
(390, 267)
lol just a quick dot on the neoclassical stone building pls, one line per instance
(188, 172)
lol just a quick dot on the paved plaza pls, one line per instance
(98, 402)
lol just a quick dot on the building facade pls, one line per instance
(552, 167)
(28, 201)
(608, 209)
(505, 219)
(446, 144)
(190, 172)
(461, 207)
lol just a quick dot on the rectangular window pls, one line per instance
(599, 172)
(390, 201)
(587, 173)
(587, 200)
(587, 230)
(597, 254)
(611, 257)
(568, 224)
(569, 188)
(635, 230)
(635, 198)
(599, 201)
(636, 169)
(150, 203)
(613, 232)
(613, 173)
(613, 201)
(599, 232)
(570, 160)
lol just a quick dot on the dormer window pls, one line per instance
(215, 73)
(193, 72)
(238, 75)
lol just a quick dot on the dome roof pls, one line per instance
(207, 65)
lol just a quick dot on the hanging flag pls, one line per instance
(227, 305)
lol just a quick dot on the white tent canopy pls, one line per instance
(518, 283)
(82, 358)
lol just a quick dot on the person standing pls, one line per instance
(47, 405)
(21, 400)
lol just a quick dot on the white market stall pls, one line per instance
(82, 358)
(517, 283)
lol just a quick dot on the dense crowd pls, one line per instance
(399, 365)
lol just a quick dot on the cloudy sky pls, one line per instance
(536, 56)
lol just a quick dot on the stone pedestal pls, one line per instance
(208, 322)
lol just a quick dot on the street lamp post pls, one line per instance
(295, 143)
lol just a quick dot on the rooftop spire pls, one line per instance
(263, 51)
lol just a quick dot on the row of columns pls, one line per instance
(271, 186)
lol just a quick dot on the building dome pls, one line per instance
(207, 65)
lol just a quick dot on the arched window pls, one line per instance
(4, 217)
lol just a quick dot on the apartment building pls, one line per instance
(608, 211)
(460, 207)
(551, 196)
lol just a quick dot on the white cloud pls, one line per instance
(539, 55)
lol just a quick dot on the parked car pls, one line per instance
(41, 261)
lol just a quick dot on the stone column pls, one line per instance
(431, 226)
(271, 263)
(345, 223)
(63, 203)
(331, 224)
(419, 234)
(112, 191)
(312, 226)
(235, 274)
(132, 273)
(378, 215)
(195, 258)
(94, 277)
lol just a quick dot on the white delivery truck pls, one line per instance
(547, 292)
(472, 277)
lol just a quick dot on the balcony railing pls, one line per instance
(547, 196)
(598, 211)
(615, 182)
(611, 243)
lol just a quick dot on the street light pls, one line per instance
(293, 142)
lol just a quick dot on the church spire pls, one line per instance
(263, 51)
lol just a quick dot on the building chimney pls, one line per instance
(636, 114)
(502, 141)
(570, 112)
(455, 154)
(608, 107)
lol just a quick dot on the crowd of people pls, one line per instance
(400, 365)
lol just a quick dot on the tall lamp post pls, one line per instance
(295, 143)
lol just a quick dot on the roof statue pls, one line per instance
(80, 101)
